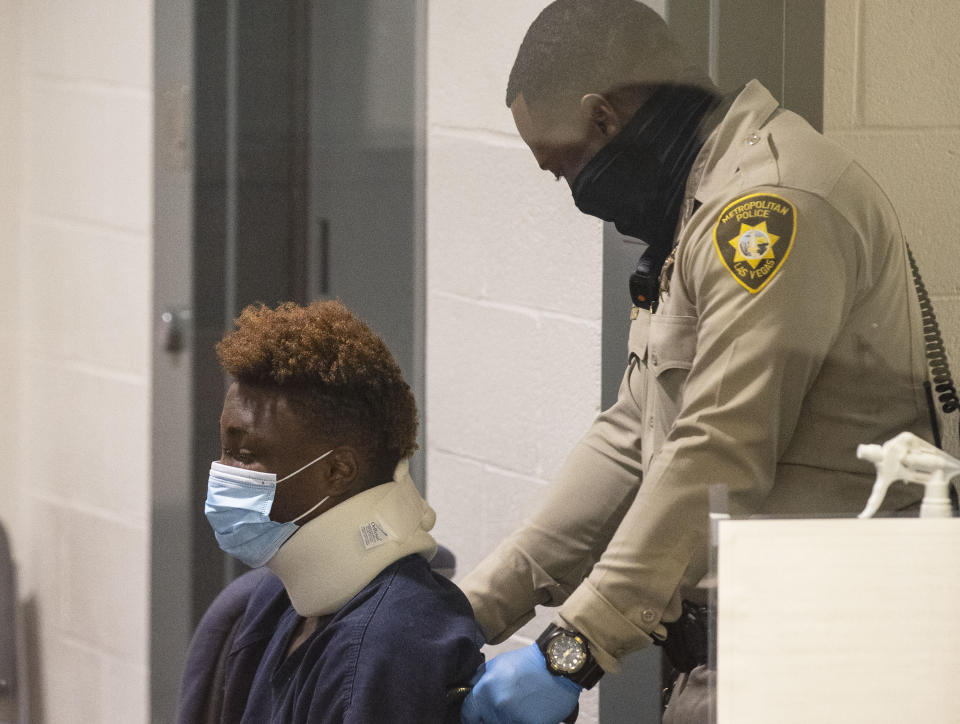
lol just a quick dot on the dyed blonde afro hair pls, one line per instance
(332, 368)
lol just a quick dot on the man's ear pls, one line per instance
(344, 467)
(601, 115)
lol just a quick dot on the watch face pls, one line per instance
(566, 653)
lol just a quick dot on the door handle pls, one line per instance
(174, 322)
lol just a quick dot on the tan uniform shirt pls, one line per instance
(789, 334)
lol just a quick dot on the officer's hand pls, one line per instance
(516, 688)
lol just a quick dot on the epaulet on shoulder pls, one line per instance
(806, 159)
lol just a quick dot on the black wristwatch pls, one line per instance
(567, 653)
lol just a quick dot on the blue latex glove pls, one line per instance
(517, 688)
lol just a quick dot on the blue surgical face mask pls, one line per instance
(238, 508)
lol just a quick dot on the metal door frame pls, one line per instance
(175, 601)
(171, 467)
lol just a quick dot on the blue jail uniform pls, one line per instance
(389, 655)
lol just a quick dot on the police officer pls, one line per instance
(773, 329)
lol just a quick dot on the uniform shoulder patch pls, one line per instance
(753, 237)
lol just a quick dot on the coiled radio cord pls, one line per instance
(934, 349)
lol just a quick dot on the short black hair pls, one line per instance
(575, 47)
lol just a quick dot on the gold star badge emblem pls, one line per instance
(753, 244)
(753, 237)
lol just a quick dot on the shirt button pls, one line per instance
(648, 615)
(654, 359)
(753, 139)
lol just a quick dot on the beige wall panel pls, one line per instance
(75, 225)
(840, 63)
(471, 50)
(108, 41)
(469, 497)
(501, 230)
(86, 301)
(910, 59)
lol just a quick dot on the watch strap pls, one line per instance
(588, 674)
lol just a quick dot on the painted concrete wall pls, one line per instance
(75, 239)
(513, 294)
(890, 97)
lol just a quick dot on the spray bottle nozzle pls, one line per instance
(906, 457)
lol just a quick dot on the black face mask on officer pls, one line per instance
(637, 180)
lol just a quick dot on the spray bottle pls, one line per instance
(906, 457)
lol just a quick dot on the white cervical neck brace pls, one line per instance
(331, 558)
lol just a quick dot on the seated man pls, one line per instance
(312, 483)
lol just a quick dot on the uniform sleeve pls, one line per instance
(753, 358)
(756, 357)
(544, 561)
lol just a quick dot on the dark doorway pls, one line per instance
(302, 173)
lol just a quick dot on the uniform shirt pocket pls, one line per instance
(671, 347)
(672, 343)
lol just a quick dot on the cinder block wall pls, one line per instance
(513, 290)
(513, 293)
(891, 98)
(78, 98)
